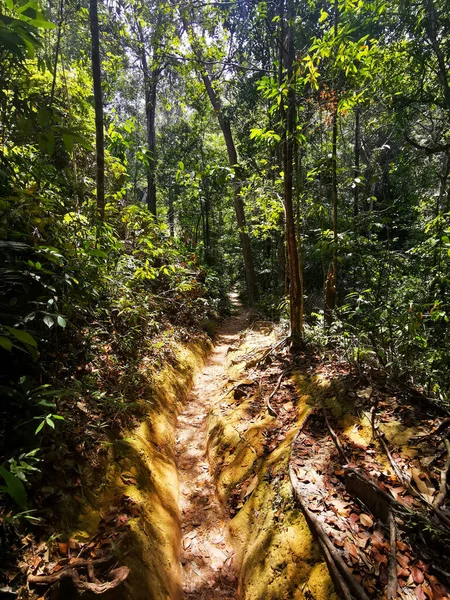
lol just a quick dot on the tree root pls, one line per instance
(116, 576)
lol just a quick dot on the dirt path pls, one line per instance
(206, 558)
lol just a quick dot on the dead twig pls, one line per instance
(272, 412)
(271, 350)
(335, 439)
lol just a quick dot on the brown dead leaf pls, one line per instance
(366, 520)
(403, 560)
(404, 573)
(253, 483)
(420, 594)
(402, 546)
(63, 548)
(423, 483)
(339, 507)
(351, 549)
(417, 575)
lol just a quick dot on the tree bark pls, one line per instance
(357, 157)
(295, 284)
(238, 203)
(98, 103)
(331, 281)
(151, 77)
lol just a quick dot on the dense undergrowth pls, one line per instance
(89, 314)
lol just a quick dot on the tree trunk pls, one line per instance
(330, 285)
(357, 157)
(295, 291)
(150, 101)
(238, 203)
(171, 213)
(99, 133)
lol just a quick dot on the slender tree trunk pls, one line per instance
(247, 253)
(171, 213)
(98, 102)
(238, 203)
(357, 158)
(433, 35)
(151, 77)
(58, 44)
(150, 97)
(298, 192)
(330, 287)
(295, 292)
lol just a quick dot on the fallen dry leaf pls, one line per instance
(63, 548)
(420, 594)
(417, 575)
(366, 520)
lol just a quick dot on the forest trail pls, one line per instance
(206, 557)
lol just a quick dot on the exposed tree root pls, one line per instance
(116, 576)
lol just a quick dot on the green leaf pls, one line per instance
(61, 321)
(22, 336)
(68, 142)
(39, 427)
(14, 487)
(49, 321)
(5, 343)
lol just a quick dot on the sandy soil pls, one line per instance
(207, 559)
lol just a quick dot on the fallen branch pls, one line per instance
(272, 412)
(440, 498)
(392, 584)
(335, 439)
(272, 349)
(343, 578)
(444, 424)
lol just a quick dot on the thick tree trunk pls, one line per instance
(295, 287)
(98, 102)
(238, 203)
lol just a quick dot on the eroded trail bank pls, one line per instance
(208, 562)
